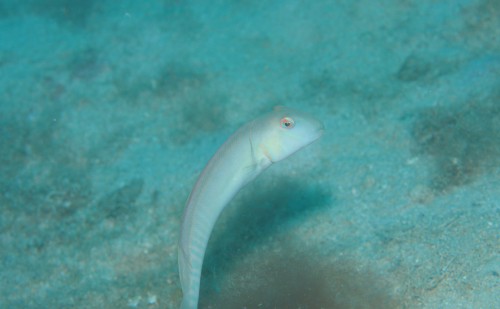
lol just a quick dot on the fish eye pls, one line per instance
(287, 122)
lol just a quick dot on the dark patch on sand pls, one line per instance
(300, 280)
(463, 143)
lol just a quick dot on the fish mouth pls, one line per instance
(321, 129)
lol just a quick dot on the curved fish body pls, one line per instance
(259, 143)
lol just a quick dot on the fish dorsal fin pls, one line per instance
(278, 106)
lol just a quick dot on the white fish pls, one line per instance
(259, 143)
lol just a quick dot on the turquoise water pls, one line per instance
(109, 110)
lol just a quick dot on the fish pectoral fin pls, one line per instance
(248, 170)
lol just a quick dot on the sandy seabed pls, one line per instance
(110, 109)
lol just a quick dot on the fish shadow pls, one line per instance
(259, 211)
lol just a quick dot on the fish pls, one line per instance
(245, 154)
